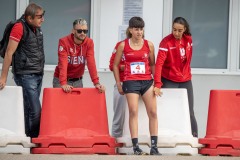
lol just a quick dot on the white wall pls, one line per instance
(111, 17)
(202, 84)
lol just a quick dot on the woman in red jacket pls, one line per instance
(172, 69)
(139, 61)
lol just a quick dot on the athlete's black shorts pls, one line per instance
(137, 86)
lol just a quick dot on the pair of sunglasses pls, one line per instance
(40, 15)
(85, 31)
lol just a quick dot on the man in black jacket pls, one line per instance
(25, 52)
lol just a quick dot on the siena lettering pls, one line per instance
(76, 60)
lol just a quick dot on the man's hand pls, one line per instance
(100, 87)
(67, 88)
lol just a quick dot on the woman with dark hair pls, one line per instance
(139, 61)
(173, 68)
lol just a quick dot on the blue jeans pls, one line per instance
(31, 85)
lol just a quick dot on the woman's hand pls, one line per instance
(119, 86)
(157, 91)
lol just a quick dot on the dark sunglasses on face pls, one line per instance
(40, 15)
(85, 31)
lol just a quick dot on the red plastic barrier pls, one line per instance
(223, 114)
(96, 149)
(223, 125)
(83, 109)
(220, 151)
(218, 141)
(77, 119)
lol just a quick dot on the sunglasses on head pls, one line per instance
(85, 31)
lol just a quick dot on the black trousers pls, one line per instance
(188, 85)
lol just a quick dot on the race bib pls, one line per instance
(137, 67)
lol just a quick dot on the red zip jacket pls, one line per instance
(170, 64)
(120, 64)
(72, 59)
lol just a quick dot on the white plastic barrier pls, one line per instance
(178, 150)
(174, 126)
(12, 128)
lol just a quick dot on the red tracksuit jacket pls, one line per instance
(173, 60)
(72, 59)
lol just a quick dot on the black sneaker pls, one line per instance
(138, 151)
(154, 151)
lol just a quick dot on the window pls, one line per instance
(208, 20)
(59, 17)
(10, 9)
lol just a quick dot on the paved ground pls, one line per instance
(107, 157)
